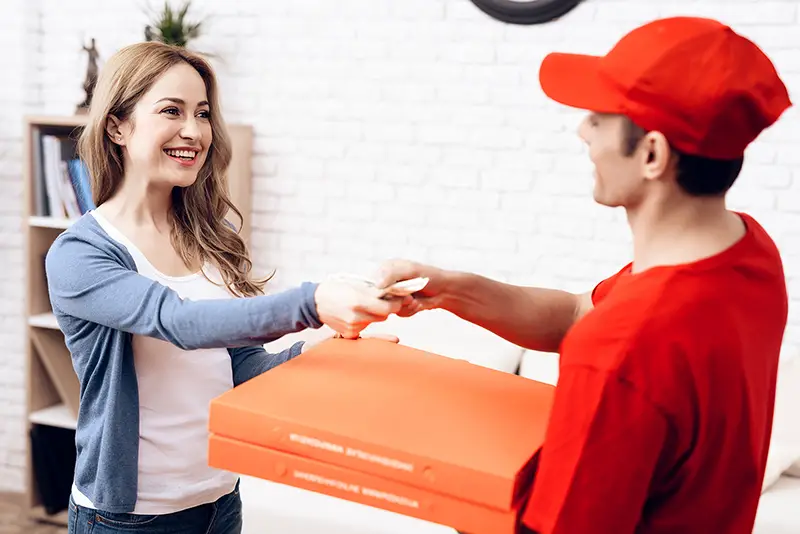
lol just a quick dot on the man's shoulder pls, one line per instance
(761, 247)
(602, 289)
(676, 310)
(636, 313)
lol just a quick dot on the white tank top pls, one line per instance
(175, 389)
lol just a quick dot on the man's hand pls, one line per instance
(349, 307)
(429, 297)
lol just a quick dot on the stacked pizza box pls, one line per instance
(389, 426)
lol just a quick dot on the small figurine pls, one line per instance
(91, 77)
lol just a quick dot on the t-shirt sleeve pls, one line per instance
(602, 289)
(602, 446)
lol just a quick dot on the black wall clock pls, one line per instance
(526, 11)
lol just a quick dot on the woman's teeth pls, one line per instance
(183, 154)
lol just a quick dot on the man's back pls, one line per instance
(693, 351)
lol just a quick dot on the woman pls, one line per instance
(160, 310)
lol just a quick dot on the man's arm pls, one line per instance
(603, 444)
(531, 317)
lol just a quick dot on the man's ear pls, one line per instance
(114, 130)
(656, 155)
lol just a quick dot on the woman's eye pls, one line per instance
(204, 114)
(171, 111)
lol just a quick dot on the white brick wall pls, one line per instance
(384, 127)
(16, 98)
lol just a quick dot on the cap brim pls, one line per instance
(575, 80)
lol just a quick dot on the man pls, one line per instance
(663, 410)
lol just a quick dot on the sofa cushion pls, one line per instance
(540, 366)
(793, 470)
(785, 422)
(436, 331)
(441, 332)
(777, 508)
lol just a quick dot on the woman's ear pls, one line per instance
(114, 130)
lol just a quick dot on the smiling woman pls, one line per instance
(169, 104)
(160, 312)
(526, 11)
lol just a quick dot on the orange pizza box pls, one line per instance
(380, 408)
(357, 486)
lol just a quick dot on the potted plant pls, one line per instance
(171, 26)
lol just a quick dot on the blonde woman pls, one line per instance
(160, 310)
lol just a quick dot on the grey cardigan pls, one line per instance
(100, 301)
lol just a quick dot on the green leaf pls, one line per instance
(171, 26)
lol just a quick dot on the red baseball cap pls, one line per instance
(709, 90)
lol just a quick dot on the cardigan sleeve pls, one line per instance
(249, 362)
(89, 283)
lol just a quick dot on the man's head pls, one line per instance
(673, 107)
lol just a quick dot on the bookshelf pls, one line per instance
(52, 386)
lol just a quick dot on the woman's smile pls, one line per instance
(185, 156)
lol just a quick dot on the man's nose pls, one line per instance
(583, 130)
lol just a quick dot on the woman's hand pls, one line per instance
(348, 307)
(308, 345)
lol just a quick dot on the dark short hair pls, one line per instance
(696, 175)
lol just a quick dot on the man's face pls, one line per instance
(619, 178)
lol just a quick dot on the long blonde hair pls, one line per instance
(200, 231)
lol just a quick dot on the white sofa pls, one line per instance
(779, 507)
(279, 509)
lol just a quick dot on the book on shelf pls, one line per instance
(62, 188)
(422, 424)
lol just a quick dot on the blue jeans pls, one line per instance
(221, 517)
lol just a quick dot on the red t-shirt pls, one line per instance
(663, 410)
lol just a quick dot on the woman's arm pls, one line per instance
(249, 362)
(87, 283)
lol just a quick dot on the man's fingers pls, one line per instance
(394, 271)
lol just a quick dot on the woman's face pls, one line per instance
(167, 138)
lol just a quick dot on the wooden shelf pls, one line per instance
(57, 362)
(58, 415)
(52, 385)
(50, 222)
(43, 320)
(49, 121)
